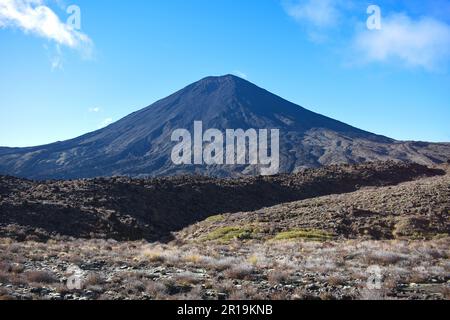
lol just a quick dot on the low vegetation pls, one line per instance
(229, 233)
(333, 246)
(298, 234)
(237, 270)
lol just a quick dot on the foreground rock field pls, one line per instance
(374, 231)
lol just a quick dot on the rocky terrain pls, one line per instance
(152, 209)
(372, 231)
(239, 270)
(417, 209)
(140, 145)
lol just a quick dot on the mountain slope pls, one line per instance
(140, 144)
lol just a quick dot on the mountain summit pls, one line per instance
(140, 144)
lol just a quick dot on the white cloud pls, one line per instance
(32, 16)
(417, 43)
(423, 42)
(321, 19)
(96, 109)
(319, 13)
(56, 63)
(240, 74)
(57, 59)
(106, 122)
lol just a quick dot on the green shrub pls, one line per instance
(227, 234)
(218, 218)
(308, 234)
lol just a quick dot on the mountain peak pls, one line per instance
(215, 82)
(140, 144)
(222, 87)
(223, 78)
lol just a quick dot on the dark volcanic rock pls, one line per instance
(133, 209)
(139, 145)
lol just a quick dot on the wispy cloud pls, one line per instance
(94, 110)
(319, 13)
(57, 59)
(240, 74)
(417, 43)
(106, 122)
(34, 17)
(320, 19)
(412, 42)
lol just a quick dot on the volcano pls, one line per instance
(140, 145)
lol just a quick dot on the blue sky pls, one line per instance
(57, 82)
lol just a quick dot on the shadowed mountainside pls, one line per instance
(151, 209)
